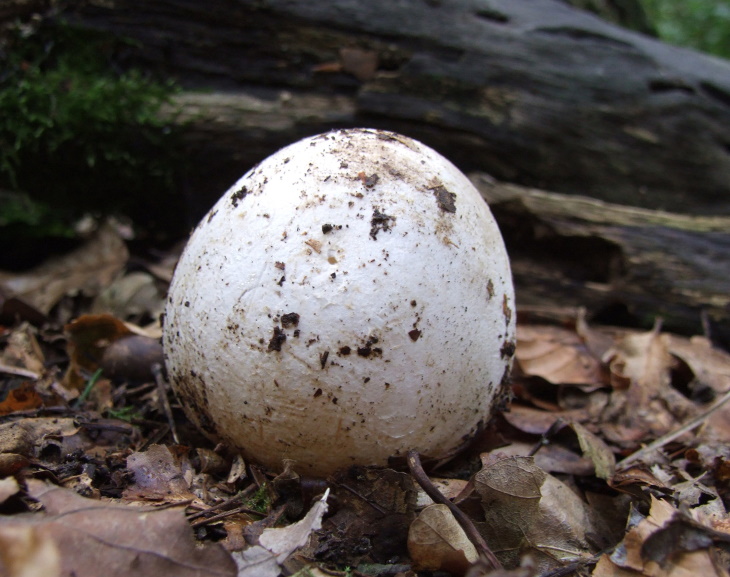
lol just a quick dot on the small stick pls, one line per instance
(669, 437)
(375, 506)
(547, 436)
(414, 464)
(162, 390)
(219, 516)
(223, 504)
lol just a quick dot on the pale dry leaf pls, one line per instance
(23, 351)
(710, 365)
(123, 540)
(596, 450)
(131, 295)
(276, 545)
(436, 542)
(88, 269)
(557, 355)
(26, 551)
(8, 488)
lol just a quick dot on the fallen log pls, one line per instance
(534, 92)
(621, 263)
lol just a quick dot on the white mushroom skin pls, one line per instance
(347, 300)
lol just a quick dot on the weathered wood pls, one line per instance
(532, 91)
(611, 258)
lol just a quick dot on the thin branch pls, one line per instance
(162, 389)
(414, 464)
(669, 437)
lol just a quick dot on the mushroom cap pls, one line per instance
(347, 300)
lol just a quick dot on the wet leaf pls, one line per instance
(436, 542)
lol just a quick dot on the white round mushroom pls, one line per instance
(347, 300)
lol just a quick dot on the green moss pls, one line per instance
(260, 501)
(77, 133)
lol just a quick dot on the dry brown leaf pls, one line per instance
(557, 355)
(8, 488)
(158, 476)
(276, 545)
(93, 537)
(643, 404)
(711, 366)
(449, 488)
(104, 341)
(23, 351)
(596, 450)
(32, 436)
(530, 512)
(436, 542)
(21, 398)
(88, 269)
(657, 547)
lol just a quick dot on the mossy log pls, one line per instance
(532, 91)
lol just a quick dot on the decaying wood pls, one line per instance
(531, 91)
(612, 258)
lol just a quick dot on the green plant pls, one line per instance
(77, 134)
(700, 24)
(260, 501)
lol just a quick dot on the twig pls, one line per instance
(219, 516)
(547, 436)
(162, 390)
(414, 464)
(223, 504)
(18, 372)
(375, 506)
(669, 437)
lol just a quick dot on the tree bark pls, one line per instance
(534, 92)
(615, 260)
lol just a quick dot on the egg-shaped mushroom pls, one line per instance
(347, 300)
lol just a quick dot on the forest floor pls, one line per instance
(614, 459)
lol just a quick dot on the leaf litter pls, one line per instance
(613, 461)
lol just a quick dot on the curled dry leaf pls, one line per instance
(78, 536)
(528, 511)
(105, 341)
(132, 295)
(436, 542)
(664, 544)
(643, 404)
(557, 355)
